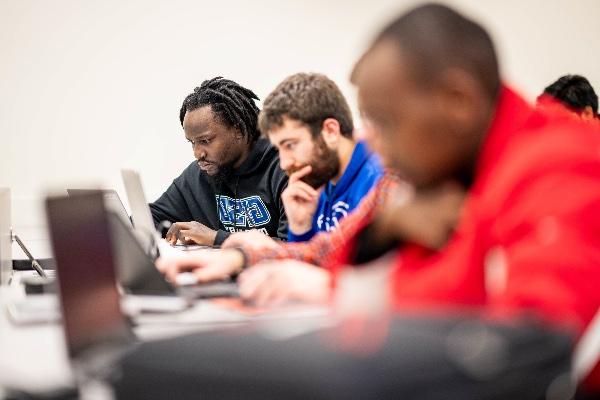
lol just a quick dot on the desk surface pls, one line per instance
(34, 357)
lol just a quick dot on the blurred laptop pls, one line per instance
(96, 330)
(135, 270)
(5, 237)
(94, 248)
(111, 200)
(86, 237)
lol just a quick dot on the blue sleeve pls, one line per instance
(371, 173)
(304, 237)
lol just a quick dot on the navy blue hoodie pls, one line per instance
(250, 199)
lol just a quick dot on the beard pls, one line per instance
(223, 174)
(325, 165)
(220, 172)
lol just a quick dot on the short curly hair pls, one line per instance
(309, 98)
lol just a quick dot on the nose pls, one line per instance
(285, 162)
(199, 153)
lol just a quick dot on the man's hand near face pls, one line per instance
(428, 217)
(206, 265)
(190, 233)
(300, 201)
(274, 283)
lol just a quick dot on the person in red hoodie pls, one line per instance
(528, 236)
(528, 239)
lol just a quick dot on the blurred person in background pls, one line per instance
(575, 92)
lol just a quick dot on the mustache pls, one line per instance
(293, 169)
(313, 179)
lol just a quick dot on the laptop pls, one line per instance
(95, 328)
(135, 270)
(5, 237)
(138, 275)
(142, 216)
(111, 199)
(140, 212)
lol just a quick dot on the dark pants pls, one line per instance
(419, 359)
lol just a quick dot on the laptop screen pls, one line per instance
(140, 212)
(90, 304)
(5, 238)
(135, 269)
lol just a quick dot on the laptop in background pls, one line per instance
(140, 211)
(142, 216)
(134, 268)
(5, 237)
(138, 275)
(112, 200)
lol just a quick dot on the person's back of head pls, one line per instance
(576, 92)
(429, 84)
(437, 38)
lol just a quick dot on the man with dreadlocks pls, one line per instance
(235, 183)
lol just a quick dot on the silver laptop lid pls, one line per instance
(140, 211)
(134, 267)
(5, 237)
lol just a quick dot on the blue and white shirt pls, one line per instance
(337, 201)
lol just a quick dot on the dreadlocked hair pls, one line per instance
(231, 103)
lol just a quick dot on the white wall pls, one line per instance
(87, 87)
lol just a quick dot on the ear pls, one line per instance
(330, 131)
(587, 114)
(462, 100)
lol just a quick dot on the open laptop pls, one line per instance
(95, 328)
(5, 237)
(141, 215)
(135, 270)
(138, 275)
(140, 212)
(111, 199)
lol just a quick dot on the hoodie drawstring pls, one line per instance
(235, 195)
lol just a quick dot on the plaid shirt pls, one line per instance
(325, 248)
